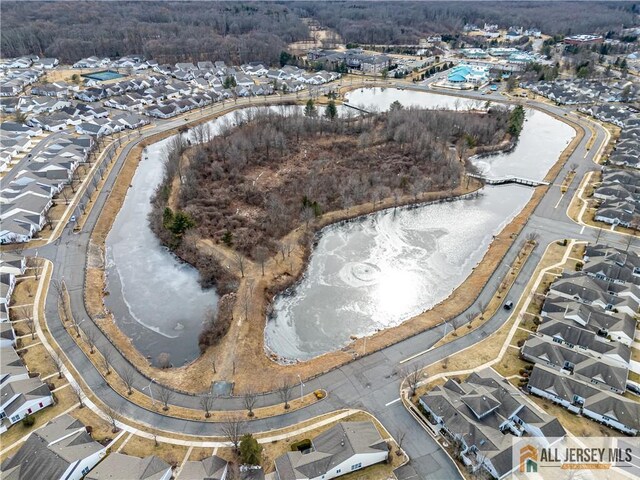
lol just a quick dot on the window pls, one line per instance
(338, 470)
(356, 466)
(85, 470)
(29, 410)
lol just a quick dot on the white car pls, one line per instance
(73, 218)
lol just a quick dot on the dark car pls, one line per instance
(508, 305)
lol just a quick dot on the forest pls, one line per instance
(239, 32)
(250, 185)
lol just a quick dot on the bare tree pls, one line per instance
(76, 327)
(128, 375)
(250, 399)
(482, 306)
(206, 402)
(91, 336)
(240, 264)
(413, 376)
(165, 395)
(164, 360)
(400, 434)
(59, 288)
(233, 430)
(111, 414)
(33, 263)
(24, 313)
(261, 254)
(470, 316)
(57, 363)
(79, 394)
(285, 392)
(106, 358)
(573, 167)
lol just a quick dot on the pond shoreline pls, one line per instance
(190, 377)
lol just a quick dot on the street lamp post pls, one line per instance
(301, 387)
(77, 327)
(446, 324)
(153, 402)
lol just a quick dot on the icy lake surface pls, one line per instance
(387, 267)
(366, 275)
(155, 298)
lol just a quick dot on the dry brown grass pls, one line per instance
(101, 429)
(142, 447)
(577, 425)
(200, 453)
(510, 363)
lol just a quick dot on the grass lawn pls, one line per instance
(142, 447)
(39, 361)
(101, 429)
(577, 425)
(510, 363)
(199, 453)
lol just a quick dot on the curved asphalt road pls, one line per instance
(371, 382)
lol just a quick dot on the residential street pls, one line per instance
(372, 382)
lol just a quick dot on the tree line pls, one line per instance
(239, 32)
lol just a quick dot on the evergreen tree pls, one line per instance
(331, 111)
(310, 109)
(250, 450)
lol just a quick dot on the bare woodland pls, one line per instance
(251, 185)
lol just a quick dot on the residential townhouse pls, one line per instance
(92, 62)
(585, 341)
(7, 335)
(25, 201)
(599, 293)
(553, 352)
(118, 465)
(7, 285)
(584, 399)
(612, 264)
(21, 398)
(482, 415)
(61, 450)
(211, 468)
(344, 448)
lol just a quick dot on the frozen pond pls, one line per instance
(390, 266)
(386, 268)
(155, 298)
(366, 275)
(542, 140)
(382, 98)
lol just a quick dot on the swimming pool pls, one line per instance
(103, 75)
